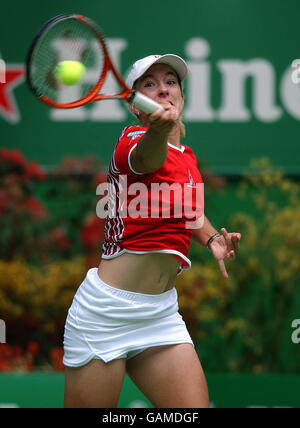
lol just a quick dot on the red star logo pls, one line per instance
(13, 77)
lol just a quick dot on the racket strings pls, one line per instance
(68, 39)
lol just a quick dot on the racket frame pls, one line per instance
(127, 94)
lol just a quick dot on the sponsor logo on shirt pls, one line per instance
(131, 134)
(191, 180)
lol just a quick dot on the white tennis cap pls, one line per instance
(142, 65)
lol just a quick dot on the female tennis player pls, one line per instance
(124, 316)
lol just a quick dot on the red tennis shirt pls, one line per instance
(154, 212)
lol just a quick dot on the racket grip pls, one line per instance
(144, 103)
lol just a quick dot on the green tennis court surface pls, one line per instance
(39, 390)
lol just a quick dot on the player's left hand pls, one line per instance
(225, 247)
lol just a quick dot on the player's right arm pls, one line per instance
(152, 149)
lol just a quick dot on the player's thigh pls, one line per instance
(96, 384)
(170, 376)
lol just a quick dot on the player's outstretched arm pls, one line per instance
(152, 149)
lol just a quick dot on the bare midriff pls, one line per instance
(151, 273)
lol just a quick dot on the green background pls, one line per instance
(226, 391)
(235, 30)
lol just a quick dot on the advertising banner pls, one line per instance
(242, 95)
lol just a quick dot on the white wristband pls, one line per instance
(144, 103)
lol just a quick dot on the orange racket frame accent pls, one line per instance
(94, 95)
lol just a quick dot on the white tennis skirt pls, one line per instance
(107, 323)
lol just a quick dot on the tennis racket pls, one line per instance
(77, 38)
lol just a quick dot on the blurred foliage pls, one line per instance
(50, 235)
(48, 217)
(243, 324)
(33, 303)
(47, 223)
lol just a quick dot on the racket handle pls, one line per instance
(144, 103)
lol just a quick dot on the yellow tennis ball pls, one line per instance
(69, 72)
